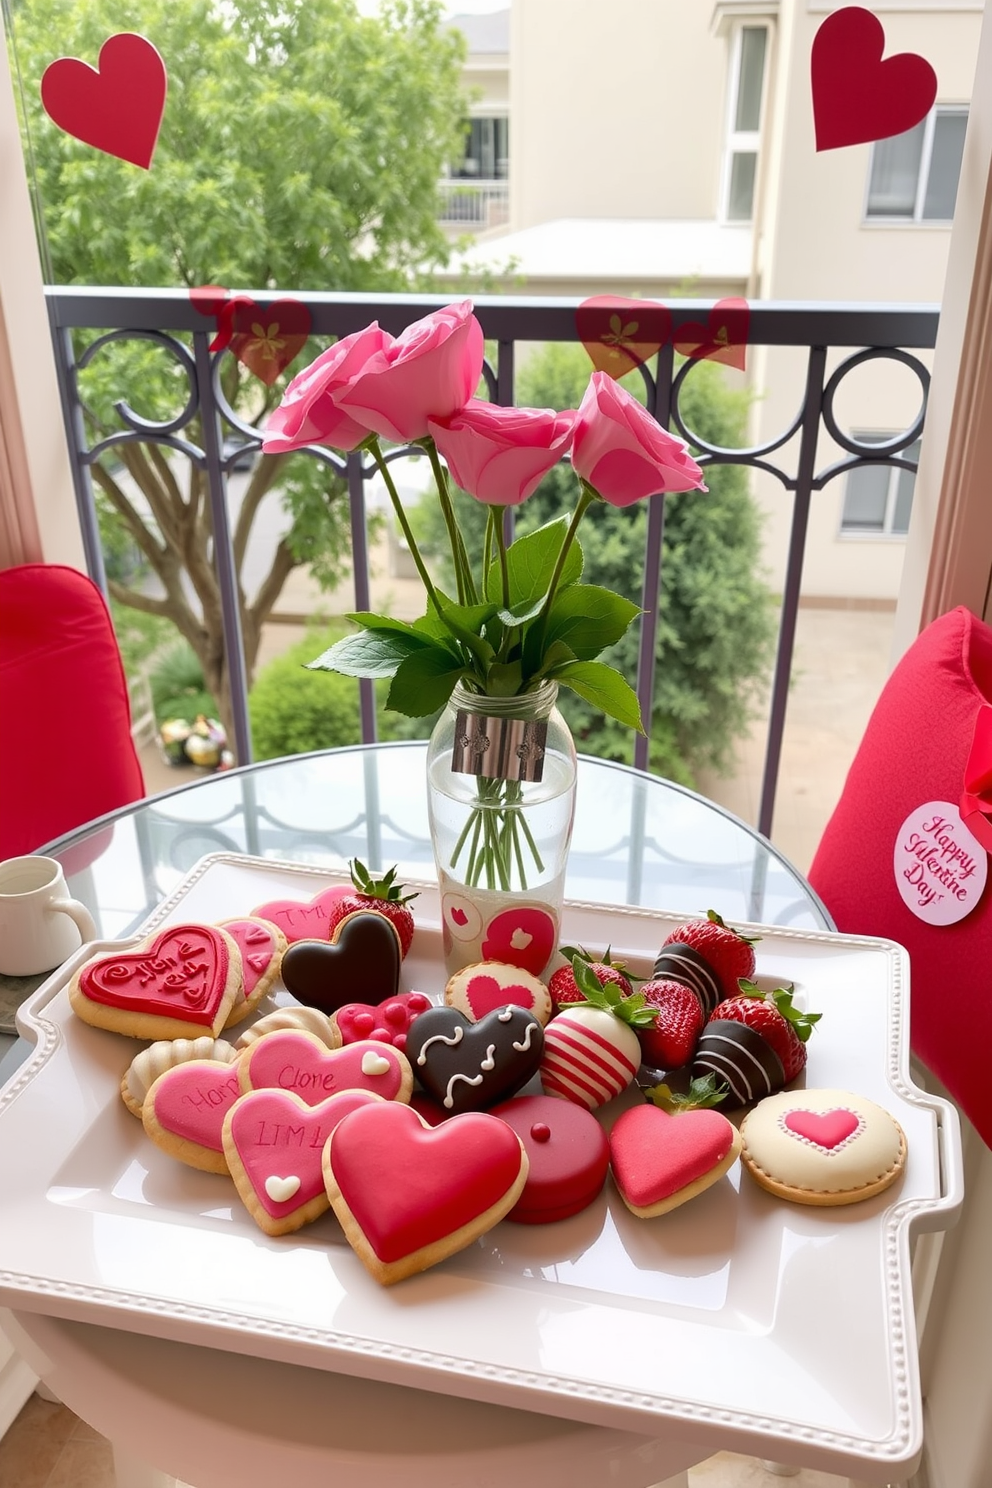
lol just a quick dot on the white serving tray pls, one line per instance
(738, 1317)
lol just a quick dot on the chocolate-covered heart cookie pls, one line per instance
(468, 1066)
(361, 964)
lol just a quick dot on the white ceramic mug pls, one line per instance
(40, 926)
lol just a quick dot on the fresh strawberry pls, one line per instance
(671, 1041)
(729, 953)
(382, 896)
(780, 1024)
(564, 988)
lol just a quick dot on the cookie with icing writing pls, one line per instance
(360, 964)
(294, 1060)
(488, 985)
(468, 1066)
(146, 1067)
(179, 983)
(261, 944)
(304, 919)
(568, 1155)
(408, 1195)
(661, 1160)
(387, 1022)
(311, 1020)
(822, 1147)
(273, 1144)
(184, 1110)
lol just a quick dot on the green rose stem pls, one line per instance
(372, 445)
(500, 537)
(467, 593)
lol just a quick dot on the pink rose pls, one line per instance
(430, 371)
(308, 413)
(499, 455)
(622, 452)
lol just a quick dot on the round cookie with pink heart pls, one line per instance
(822, 1146)
(490, 985)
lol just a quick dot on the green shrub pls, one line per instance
(294, 711)
(177, 687)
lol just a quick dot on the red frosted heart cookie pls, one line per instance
(184, 1109)
(387, 1022)
(304, 919)
(261, 944)
(408, 1195)
(568, 1155)
(822, 1146)
(297, 1061)
(489, 985)
(273, 1143)
(660, 1160)
(179, 983)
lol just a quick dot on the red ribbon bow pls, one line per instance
(976, 799)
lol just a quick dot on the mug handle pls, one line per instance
(77, 912)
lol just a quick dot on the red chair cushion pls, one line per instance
(66, 752)
(914, 751)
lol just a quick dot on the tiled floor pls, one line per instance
(49, 1447)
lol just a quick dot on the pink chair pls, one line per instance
(66, 752)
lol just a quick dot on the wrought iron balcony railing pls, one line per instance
(842, 337)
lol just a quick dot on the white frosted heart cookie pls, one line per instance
(146, 1067)
(822, 1146)
(488, 985)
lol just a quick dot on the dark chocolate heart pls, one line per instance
(361, 964)
(468, 1066)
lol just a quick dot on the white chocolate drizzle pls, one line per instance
(441, 1038)
(524, 1043)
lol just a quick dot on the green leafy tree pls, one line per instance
(300, 149)
(716, 625)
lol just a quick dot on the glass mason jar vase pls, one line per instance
(501, 802)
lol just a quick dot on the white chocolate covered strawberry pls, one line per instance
(591, 1051)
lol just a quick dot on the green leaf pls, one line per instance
(520, 614)
(370, 653)
(504, 679)
(555, 656)
(424, 681)
(369, 621)
(588, 619)
(531, 562)
(600, 685)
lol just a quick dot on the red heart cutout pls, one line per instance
(722, 339)
(273, 1135)
(484, 995)
(182, 974)
(827, 1129)
(191, 1100)
(116, 106)
(654, 1155)
(459, 916)
(856, 96)
(301, 920)
(535, 932)
(409, 1185)
(266, 338)
(620, 334)
(296, 1061)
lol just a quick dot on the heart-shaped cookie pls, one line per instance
(304, 919)
(273, 1143)
(184, 1111)
(297, 1061)
(180, 983)
(387, 1023)
(361, 964)
(408, 1194)
(660, 1161)
(467, 1066)
(261, 944)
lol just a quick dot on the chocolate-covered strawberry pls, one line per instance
(754, 1043)
(383, 896)
(565, 989)
(708, 956)
(591, 1048)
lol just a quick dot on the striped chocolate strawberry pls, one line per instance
(591, 1049)
(754, 1043)
(708, 956)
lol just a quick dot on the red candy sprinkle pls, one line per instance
(540, 1132)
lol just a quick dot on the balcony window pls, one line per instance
(487, 151)
(914, 176)
(879, 498)
(744, 124)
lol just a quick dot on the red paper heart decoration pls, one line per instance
(266, 338)
(620, 334)
(827, 1129)
(722, 339)
(117, 106)
(856, 96)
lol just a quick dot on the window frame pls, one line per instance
(916, 219)
(744, 141)
(894, 472)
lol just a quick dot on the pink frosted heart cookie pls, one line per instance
(304, 919)
(261, 944)
(184, 1110)
(822, 1146)
(386, 1022)
(661, 1160)
(481, 989)
(296, 1061)
(180, 983)
(273, 1143)
(146, 1067)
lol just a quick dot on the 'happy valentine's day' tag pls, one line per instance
(940, 868)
